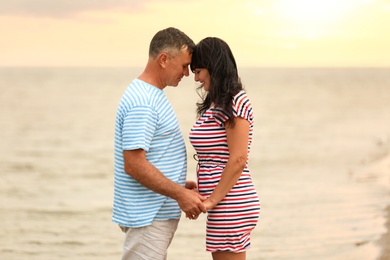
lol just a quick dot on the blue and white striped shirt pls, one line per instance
(145, 120)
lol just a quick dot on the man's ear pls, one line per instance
(162, 59)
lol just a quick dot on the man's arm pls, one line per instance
(149, 176)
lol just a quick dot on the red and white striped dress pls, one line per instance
(229, 223)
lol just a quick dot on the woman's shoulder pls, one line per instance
(240, 96)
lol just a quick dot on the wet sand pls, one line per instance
(379, 172)
(385, 239)
(382, 167)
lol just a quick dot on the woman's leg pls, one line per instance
(223, 255)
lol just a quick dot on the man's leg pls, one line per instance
(150, 242)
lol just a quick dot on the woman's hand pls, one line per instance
(208, 204)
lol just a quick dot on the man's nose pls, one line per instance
(186, 72)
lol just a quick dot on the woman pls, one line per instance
(222, 136)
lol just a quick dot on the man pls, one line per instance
(150, 184)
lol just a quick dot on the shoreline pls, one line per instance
(378, 171)
(382, 168)
(384, 241)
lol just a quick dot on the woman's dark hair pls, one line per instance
(215, 55)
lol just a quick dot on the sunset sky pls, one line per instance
(260, 33)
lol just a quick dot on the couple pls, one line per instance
(150, 187)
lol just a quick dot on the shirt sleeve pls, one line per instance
(241, 108)
(139, 126)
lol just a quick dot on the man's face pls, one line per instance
(177, 67)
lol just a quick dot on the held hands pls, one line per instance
(190, 201)
(206, 203)
(194, 212)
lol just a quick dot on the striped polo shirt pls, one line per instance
(145, 120)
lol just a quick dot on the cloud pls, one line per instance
(65, 8)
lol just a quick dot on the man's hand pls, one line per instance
(191, 203)
(191, 185)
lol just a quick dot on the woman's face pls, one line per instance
(203, 77)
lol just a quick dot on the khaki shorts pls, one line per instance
(150, 242)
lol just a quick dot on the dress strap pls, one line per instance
(195, 156)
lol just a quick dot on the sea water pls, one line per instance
(318, 160)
